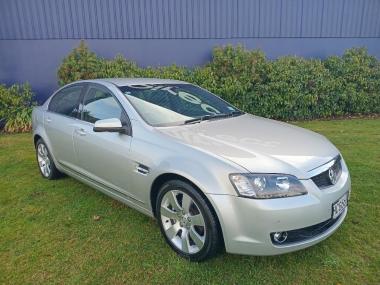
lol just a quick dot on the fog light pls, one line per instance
(280, 237)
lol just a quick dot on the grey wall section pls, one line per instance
(36, 34)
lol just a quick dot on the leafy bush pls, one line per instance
(81, 63)
(236, 71)
(171, 71)
(294, 88)
(16, 104)
(357, 76)
(289, 88)
(118, 67)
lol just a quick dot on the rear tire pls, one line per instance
(187, 222)
(45, 161)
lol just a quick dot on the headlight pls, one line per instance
(267, 186)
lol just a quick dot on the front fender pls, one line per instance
(209, 175)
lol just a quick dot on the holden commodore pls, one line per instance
(212, 175)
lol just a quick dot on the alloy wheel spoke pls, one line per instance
(185, 241)
(171, 232)
(197, 220)
(44, 171)
(173, 201)
(47, 169)
(198, 240)
(40, 151)
(168, 213)
(44, 150)
(186, 202)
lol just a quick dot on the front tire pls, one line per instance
(45, 162)
(187, 222)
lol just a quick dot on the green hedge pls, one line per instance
(16, 104)
(289, 88)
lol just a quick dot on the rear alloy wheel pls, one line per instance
(187, 222)
(45, 161)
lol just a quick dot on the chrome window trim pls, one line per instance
(75, 84)
(106, 89)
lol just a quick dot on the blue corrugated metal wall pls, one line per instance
(187, 19)
(36, 34)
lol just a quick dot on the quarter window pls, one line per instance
(99, 104)
(66, 101)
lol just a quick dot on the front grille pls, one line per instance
(303, 234)
(322, 180)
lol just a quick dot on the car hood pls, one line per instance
(258, 144)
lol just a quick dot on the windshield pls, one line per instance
(174, 104)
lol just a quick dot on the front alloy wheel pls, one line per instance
(187, 222)
(183, 222)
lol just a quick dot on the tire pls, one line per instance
(45, 162)
(187, 222)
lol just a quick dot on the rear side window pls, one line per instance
(99, 104)
(66, 102)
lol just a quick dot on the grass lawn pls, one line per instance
(48, 233)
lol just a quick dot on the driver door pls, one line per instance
(103, 156)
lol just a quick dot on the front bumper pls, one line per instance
(248, 223)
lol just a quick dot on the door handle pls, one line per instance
(48, 120)
(80, 132)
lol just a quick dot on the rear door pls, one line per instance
(103, 156)
(60, 121)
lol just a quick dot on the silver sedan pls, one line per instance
(212, 175)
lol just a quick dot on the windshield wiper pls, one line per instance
(199, 119)
(211, 117)
(231, 114)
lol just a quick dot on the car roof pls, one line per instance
(137, 81)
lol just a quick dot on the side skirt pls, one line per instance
(117, 195)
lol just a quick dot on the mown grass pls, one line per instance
(48, 233)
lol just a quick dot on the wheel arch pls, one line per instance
(165, 177)
(36, 137)
(42, 135)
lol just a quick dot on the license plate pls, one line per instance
(339, 206)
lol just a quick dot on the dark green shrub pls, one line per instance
(171, 71)
(294, 88)
(16, 104)
(289, 88)
(204, 76)
(118, 67)
(235, 72)
(81, 63)
(357, 76)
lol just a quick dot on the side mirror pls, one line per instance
(111, 125)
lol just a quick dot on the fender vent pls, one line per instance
(142, 169)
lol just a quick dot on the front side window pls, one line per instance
(66, 101)
(172, 104)
(99, 104)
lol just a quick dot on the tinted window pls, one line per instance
(99, 104)
(66, 101)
